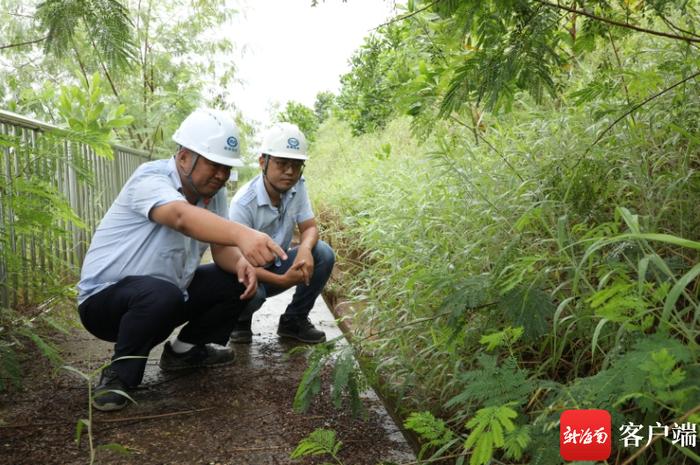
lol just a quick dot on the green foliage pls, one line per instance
(324, 106)
(571, 214)
(10, 367)
(488, 429)
(38, 217)
(432, 431)
(89, 119)
(467, 294)
(310, 384)
(661, 371)
(652, 373)
(505, 338)
(442, 59)
(158, 65)
(365, 100)
(529, 308)
(302, 116)
(516, 442)
(47, 349)
(347, 379)
(35, 213)
(319, 442)
(573, 265)
(493, 384)
(106, 24)
(86, 424)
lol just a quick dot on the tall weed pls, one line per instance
(39, 231)
(533, 272)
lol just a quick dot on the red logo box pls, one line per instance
(585, 435)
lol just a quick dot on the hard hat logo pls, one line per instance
(232, 143)
(293, 143)
(285, 140)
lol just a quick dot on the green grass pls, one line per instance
(588, 254)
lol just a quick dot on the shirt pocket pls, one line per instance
(174, 261)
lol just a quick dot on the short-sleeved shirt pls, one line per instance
(252, 207)
(128, 243)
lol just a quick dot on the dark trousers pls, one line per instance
(304, 296)
(140, 312)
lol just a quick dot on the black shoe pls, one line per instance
(199, 356)
(110, 393)
(300, 328)
(242, 333)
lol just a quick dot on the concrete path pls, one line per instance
(238, 414)
(268, 348)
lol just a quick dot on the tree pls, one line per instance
(365, 99)
(302, 116)
(444, 59)
(105, 24)
(324, 106)
(172, 66)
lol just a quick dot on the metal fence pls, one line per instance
(47, 251)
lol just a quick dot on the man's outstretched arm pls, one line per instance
(205, 226)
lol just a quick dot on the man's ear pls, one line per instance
(261, 161)
(182, 157)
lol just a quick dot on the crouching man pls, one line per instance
(142, 277)
(275, 202)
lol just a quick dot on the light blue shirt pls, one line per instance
(128, 243)
(252, 207)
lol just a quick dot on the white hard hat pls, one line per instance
(212, 134)
(285, 140)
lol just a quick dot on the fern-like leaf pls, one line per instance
(347, 379)
(516, 442)
(320, 441)
(47, 349)
(342, 374)
(530, 308)
(310, 384)
(488, 426)
(494, 385)
(432, 430)
(434, 433)
(106, 22)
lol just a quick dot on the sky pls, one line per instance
(288, 50)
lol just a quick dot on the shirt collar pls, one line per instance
(174, 175)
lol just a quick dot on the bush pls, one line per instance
(527, 271)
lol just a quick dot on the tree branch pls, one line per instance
(619, 64)
(80, 63)
(476, 132)
(413, 13)
(677, 28)
(20, 15)
(631, 110)
(411, 323)
(618, 23)
(103, 65)
(21, 44)
(640, 104)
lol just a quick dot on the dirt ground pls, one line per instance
(238, 414)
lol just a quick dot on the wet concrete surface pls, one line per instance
(250, 401)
